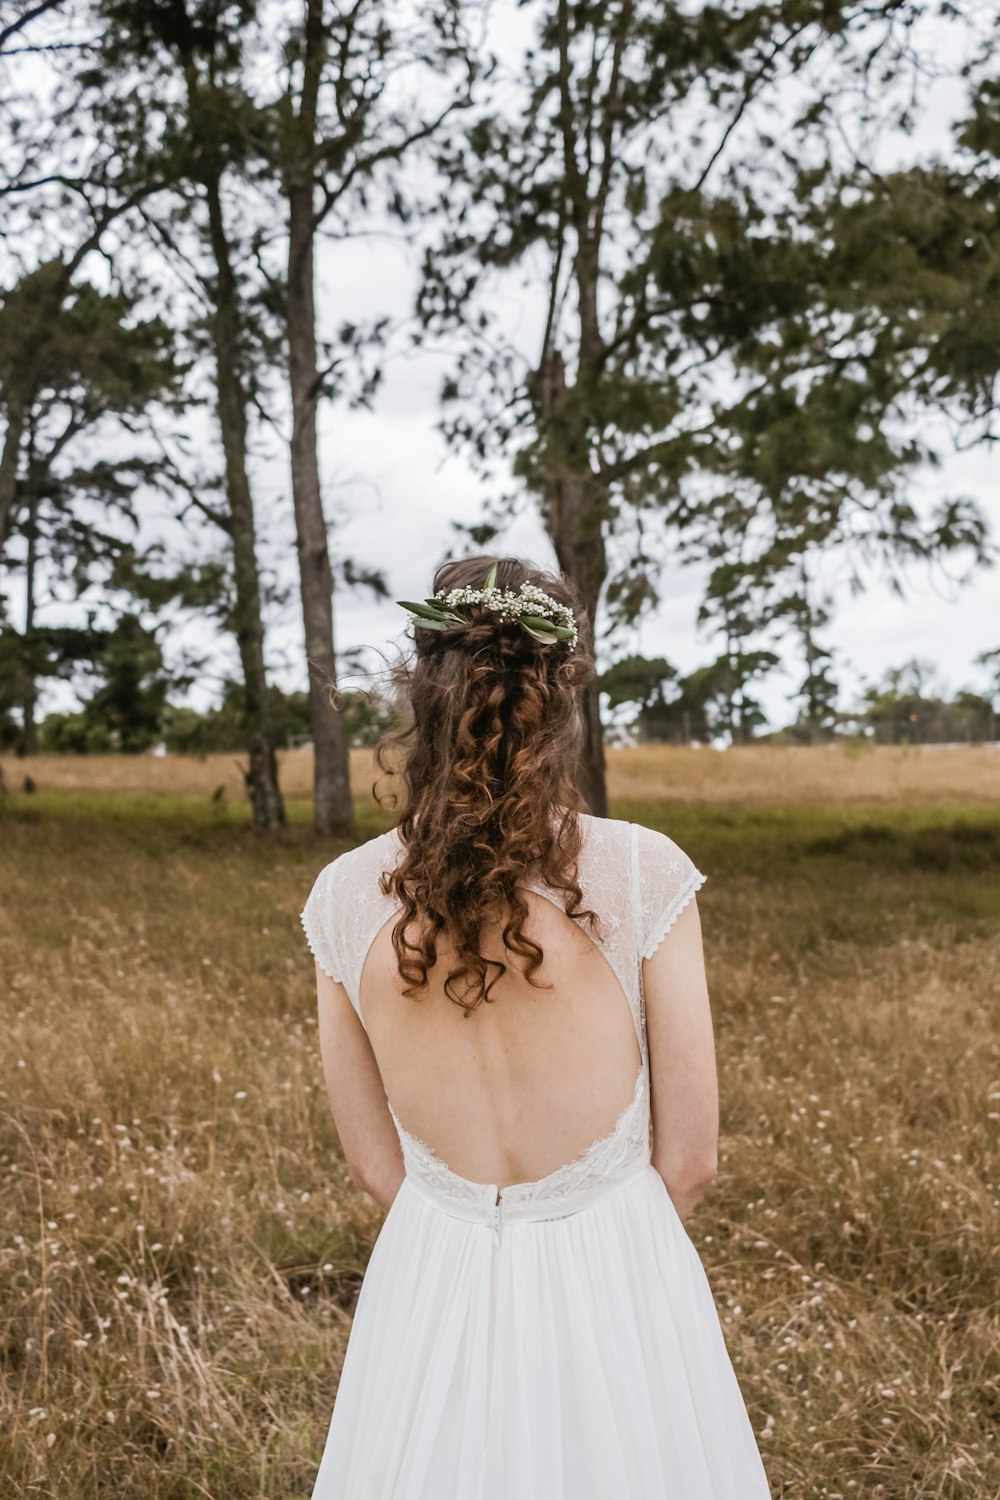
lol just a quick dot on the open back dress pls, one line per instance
(561, 1343)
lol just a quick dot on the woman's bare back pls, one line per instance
(531, 1080)
(525, 1082)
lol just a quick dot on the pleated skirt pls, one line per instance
(575, 1358)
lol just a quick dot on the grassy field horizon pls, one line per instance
(836, 773)
(181, 1246)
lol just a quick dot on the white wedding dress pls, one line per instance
(562, 1344)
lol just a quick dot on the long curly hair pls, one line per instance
(486, 758)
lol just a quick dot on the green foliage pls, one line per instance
(124, 713)
(188, 731)
(991, 661)
(368, 717)
(716, 702)
(707, 704)
(84, 369)
(739, 323)
(84, 347)
(637, 679)
(82, 365)
(76, 733)
(904, 708)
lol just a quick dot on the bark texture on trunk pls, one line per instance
(10, 457)
(333, 807)
(575, 496)
(581, 556)
(574, 518)
(29, 732)
(265, 795)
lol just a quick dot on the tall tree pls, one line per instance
(98, 369)
(817, 694)
(990, 660)
(339, 120)
(141, 111)
(125, 710)
(671, 188)
(179, 116)
(40, 349)
(64, 188)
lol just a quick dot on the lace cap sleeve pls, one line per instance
(664, 879)
(318, 921)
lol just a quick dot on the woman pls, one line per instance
(510, 993)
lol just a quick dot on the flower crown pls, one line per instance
(538, 614)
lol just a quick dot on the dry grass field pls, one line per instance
(758, 774)
(180, 1248)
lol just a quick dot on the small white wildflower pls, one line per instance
(529, 600)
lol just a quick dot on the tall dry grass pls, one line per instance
(181, 1247)
(652, 773)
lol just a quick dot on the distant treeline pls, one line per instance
(650, 702)
(654, 702)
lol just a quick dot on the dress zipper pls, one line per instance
(496, 1226)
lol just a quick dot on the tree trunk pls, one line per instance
(592, 775)
(574, 516)
(812, 700)
(17, 416)
(29, 732)
(265, 795)
(576, 499)
(333, 807)
(578, 538)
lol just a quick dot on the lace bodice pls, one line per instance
(637, 880)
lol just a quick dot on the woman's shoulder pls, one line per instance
(657, 860)
(603, 830)
(621, 833)
(350, 872)
(655, 843)
(368, 851)
(342, 899)
(666, 879)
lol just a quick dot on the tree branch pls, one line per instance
(364, 164)
(26, 18)
(749, 90)
(574, 177)
(612, 103)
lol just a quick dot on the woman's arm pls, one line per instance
(357, 1097)
(685, 1094)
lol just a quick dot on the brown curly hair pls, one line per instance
(487, 761)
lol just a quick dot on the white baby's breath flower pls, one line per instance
(541, 616)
